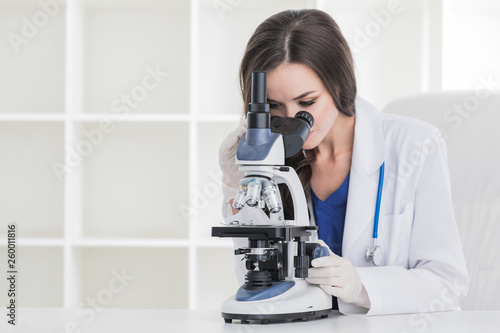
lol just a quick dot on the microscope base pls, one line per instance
(266, 319)
(304, 301)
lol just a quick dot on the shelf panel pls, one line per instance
(31, 117)
(19, 5)
(6, 117)
(114, 5)
(125, 45)
(39, 277)
(135, 181)
(208, 192)
(216, 277)
(31, 194)
(32, 58)
(35, 242)
(156, 117)
(131, 242)
(113, 242)
(159, 277)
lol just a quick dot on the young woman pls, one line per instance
(420, 261)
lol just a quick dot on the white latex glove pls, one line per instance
(231, 175)
(337, 277)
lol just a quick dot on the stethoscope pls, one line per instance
(375, 253)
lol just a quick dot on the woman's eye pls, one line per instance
(274, 105)
(307, 103)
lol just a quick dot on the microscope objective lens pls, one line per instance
(253, 193)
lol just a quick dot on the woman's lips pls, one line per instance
(310, 133)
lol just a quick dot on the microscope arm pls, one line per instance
(288, 176)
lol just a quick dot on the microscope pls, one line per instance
(277, 257)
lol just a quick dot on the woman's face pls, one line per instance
(295, 87)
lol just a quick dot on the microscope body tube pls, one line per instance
(258, 116)
(262, 152)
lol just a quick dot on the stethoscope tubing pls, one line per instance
(375, 253)
(379, 200)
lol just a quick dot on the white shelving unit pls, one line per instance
(141, 187)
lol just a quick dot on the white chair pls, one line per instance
(470, 124)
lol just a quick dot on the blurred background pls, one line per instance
(112, 113)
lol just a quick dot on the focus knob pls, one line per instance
(314, 250)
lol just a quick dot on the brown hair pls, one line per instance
(312, 38)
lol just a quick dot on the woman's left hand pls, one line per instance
(336, 276)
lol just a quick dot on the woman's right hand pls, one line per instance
(231, 175)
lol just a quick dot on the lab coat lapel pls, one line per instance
(367, 157)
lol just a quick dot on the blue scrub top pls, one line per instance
(330, 216)
(330, 219)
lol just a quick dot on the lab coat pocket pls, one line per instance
(395, 235)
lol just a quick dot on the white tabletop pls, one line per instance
(57, 320)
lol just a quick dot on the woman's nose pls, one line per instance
(291, 111)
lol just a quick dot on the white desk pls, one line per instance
(54, 320)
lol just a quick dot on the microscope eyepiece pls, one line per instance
(258, 109)
(295, 130)
(259, 87)
(304, 115)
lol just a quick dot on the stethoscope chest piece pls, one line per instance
(374, 254)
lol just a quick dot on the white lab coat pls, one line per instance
(423, 267)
